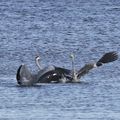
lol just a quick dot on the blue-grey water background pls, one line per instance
(54, 29)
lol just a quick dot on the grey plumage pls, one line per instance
(84, 70)
(24, 76)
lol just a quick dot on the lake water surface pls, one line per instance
(54, 29)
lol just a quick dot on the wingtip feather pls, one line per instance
(109, 57)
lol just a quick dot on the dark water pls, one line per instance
(54, 29)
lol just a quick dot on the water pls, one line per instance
(54, 29)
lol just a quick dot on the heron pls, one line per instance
(54, 74)
(49, 74)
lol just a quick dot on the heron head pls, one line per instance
(72, 56)
(37, 58)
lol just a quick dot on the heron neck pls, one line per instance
(74, 73)
(73, 67)
(38, 64)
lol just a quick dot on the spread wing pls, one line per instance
(62, 70)
(85, 69)
(106, 58)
